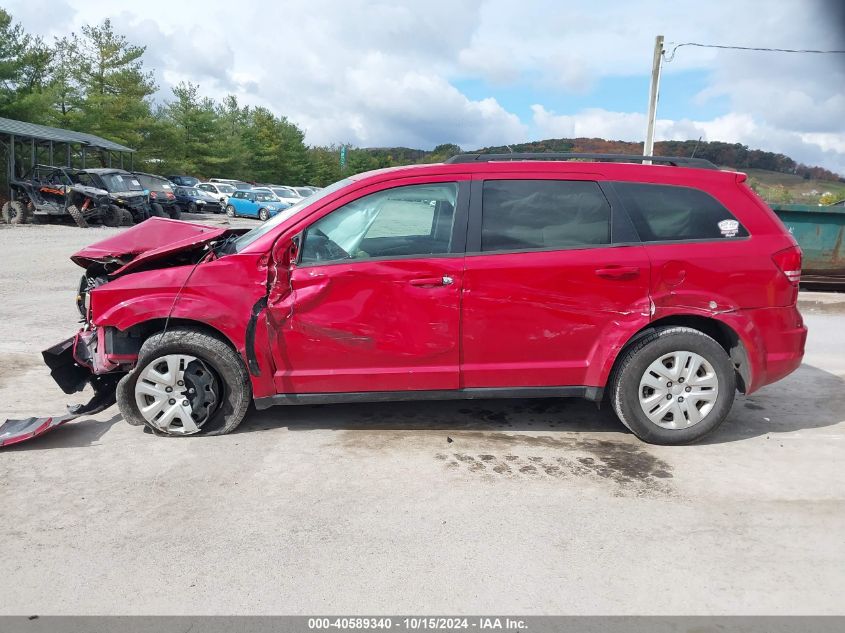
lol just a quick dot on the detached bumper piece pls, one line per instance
(71, 377)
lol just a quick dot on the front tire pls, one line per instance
(15, 213)
(673, 386)
(186, 382)
(111, 215)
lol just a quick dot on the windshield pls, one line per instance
(190, 191)
(225, 188)
(189, 181)
(243, 185)
(121, 182)
(264, 197)
(248, 238)
(154, 184)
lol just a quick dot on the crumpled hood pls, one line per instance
(152, 239)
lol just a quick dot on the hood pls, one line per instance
(152, 239)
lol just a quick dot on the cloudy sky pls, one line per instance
(482, 72)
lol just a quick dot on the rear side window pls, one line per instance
(535, 214)
(669, 213)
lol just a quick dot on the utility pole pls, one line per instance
(648, 148)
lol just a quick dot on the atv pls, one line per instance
(124, 190)
(48, 192)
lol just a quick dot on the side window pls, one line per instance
(410, 220)
(671, 213)
(238, 194)
(534, 214)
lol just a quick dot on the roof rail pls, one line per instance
(675, 161)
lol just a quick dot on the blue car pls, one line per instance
(254, 204)
(195, 200)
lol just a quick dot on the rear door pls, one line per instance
(373, 303)
(555, 282)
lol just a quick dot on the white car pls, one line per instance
(285, 194)
(219, 190)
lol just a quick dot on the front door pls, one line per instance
(374, 298)
(550, 289)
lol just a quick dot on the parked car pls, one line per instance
(193, 200)
(285, 194)
(49, 192)
(162, 198)
(220, 191)
(184, 181)
(254, 204)
(661, 288)
(237, 184)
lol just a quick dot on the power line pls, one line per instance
(671, 55)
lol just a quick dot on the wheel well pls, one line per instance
(132, 338)
(723, 334)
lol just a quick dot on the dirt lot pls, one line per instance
(535, 506)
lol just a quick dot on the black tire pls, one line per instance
(126, 218)
(224, 362)
(263, 215)
(230, 211)
(156, 210)
(16, 213)
(192, 208)
(624, 384)
(77, 216)
(110, 216)
(174, 212)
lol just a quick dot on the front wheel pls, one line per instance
(186, 382)
(230, 211)
(673, 386)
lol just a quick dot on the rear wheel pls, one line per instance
(126, 218)
(157, 210)
(230, 211)
(186, 382)
(174, 212)
(263, 215)
(673, 386)
(15, 213)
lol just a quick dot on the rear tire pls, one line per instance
(16, 213)
(230, 211)
(174, 212)
(126, 218)
(263, 215)
(631, 397)
(156, 210)
(232, 388)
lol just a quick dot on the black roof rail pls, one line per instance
(675, 161)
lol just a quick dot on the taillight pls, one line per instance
(789, 261)
(153, 195)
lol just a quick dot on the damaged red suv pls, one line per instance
(663, 287)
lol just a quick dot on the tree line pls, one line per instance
(94, 81)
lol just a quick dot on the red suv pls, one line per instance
(663, 287)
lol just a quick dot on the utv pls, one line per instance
(162, 198)
(48, 192)
(124, 189)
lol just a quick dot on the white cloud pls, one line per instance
(383, 72)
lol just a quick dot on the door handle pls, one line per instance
(618, 273)
(429, 282)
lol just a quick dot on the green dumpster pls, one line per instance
(820, 232)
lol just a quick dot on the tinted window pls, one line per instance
(665, 212)
(411, 220)
(526, 214)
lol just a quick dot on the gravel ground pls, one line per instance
(534, 506)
